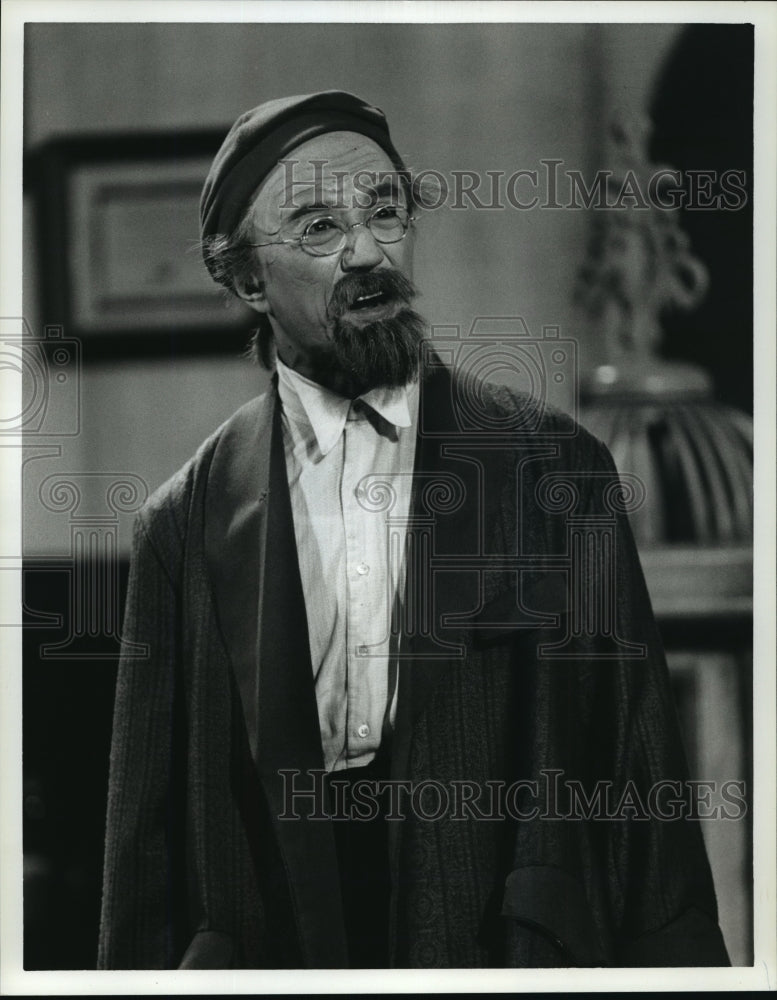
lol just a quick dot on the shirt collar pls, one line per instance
(327, 411)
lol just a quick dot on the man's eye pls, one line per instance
(386, 212)
(319, 226)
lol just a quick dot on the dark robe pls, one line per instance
(529, 654)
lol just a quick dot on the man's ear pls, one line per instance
(251, 291)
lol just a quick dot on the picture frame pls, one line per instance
(117, 221)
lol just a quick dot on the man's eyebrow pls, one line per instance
(387, 186)
(316, 206)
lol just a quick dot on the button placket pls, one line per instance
(356, 541)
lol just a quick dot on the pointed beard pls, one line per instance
(381, 354)
(386, 351)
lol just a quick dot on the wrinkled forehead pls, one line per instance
(336, 170)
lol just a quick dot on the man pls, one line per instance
(373, 718)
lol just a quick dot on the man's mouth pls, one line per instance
(369, 301)
(366, 298)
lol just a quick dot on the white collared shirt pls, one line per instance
(333, 453)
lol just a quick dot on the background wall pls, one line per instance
(457, 97)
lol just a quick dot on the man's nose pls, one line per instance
(362, 250)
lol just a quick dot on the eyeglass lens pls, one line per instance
(327, 235)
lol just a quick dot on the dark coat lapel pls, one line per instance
(253, 561)
(454, 508)
(235, 528)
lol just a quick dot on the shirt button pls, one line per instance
(363, 730)
(362, 650)
(362, 569)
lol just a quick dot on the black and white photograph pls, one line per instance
(388, 443)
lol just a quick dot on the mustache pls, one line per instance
(391, 284)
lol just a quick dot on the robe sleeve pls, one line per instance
(143, 842)
(665, 892)
(662, 892)
(626, 883)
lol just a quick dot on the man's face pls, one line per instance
(318, 306)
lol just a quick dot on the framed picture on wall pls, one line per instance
(118, 225)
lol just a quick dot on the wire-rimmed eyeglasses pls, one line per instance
(325, 235)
